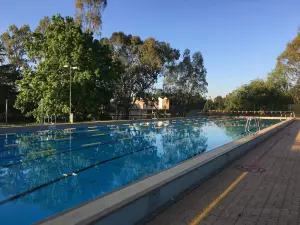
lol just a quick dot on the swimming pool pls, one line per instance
(46, 172)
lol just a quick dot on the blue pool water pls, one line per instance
(46, 172)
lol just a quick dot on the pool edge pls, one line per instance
(134, 202)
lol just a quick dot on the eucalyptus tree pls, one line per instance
(13, 41)
(187, 79)
(143, 61)
(89, 14)
(289, 59)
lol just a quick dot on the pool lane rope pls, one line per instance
(74, 173)
(75, 149)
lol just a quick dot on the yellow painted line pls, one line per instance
(91, 130)
(8, 134)
(10, 145)
(214, 203)
(39, 152)
(95, 135)
(123, 139)
(91, 144)
(131, 126)
(92, 127)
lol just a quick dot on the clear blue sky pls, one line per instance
(239, 39)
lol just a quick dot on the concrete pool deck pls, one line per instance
(267, 193)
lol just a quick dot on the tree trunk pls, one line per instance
(126, 113)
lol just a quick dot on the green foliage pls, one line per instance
(8, 75)
(187, 79)
(89, 14)
(289, 60)
(219, 102)
(295, 92)
(13, 41)
(279, 80)
(257, 95)
(61, 43)
(143, 61)
(209, 105)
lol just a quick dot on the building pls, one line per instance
(141, 109)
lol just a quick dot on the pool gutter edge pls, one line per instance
(136, 201)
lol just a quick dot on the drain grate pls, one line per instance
(250, 168)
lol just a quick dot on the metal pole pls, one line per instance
(6, 103)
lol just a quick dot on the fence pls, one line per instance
(252, 113)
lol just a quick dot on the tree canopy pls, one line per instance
(186, 79)
(143, 61)
(89, 14)
(62, 43)
(257, 95)
(13, 41)
(289, 60)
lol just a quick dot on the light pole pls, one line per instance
(70, 112)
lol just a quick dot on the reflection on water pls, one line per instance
(36, 180)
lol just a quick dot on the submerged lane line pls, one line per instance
(214, 203)
(70, 174)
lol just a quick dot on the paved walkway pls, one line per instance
(234, 197)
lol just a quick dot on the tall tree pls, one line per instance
(62, 43)
(143, 61)
(289, 60)
(219, 102)
(279, 80)
(14, 45)
(256, 96)
(8, 76)
(43, 25)
(187, 79)
(295, 92)
(209, 105)
(89, 14)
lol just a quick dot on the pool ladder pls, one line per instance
(248, 124)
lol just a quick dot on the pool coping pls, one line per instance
(134, 202)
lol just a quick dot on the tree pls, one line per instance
(257, 95)
(295, 92)
(143, 61)
(61, 43)
(209, 105)
(89, 14)
(289, 60)
(43, 25)
(8, 76)
(279, 80)
(14, 45)
(187, 79)
(219, 102)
